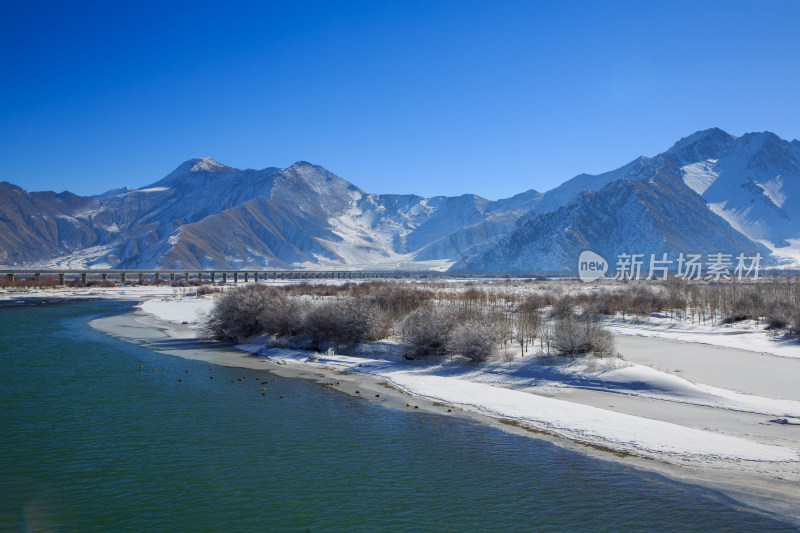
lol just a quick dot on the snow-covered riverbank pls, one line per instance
(576, 399)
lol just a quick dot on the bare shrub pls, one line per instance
(737, 314)
(209, 289)
(779, 315)
(575, 336)
(477, 337)
(776, 320)
(642, 301)
(795, 329)
(426, 330)
(250, 310)
(100, 283)
(562, 308)
(533, 302)
(319, 324)
(360, 320)
(603, 303)
(347, 322)
(400, 300)
(7, 281)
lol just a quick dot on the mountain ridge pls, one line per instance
(733, 179)
(742, 191)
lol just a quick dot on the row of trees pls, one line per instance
(435, 319)
(775, 300)
(426, 325)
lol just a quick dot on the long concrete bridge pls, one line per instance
(214, 276)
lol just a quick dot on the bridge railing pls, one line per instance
(124, 276)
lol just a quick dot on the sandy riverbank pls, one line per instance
(669, 426)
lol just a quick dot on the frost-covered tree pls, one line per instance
(576, 336)
(476, 337)
(426, 330)
(346, 322)
(250, 310)
(527, 323)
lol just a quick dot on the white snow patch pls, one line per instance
(189, 310)
(743, 336)
(772, 189)
(207, 163)
(591, 423)
(700, 176)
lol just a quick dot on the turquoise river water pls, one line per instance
(94, 439)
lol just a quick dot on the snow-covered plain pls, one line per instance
(742, 335)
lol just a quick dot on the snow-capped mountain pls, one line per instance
(753, 182)
(711, 192)
(207, 215)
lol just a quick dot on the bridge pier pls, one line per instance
(213, 275)
(224, 278)
(84, 277)
(235, 277)
(123, 278)
(141, 278)
(104, 276)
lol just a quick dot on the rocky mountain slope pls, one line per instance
(711, 192)
(208, 215)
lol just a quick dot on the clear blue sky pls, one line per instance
(432, 97)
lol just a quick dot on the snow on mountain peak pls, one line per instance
(209, 164)
(702, 145)
(199, 164)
